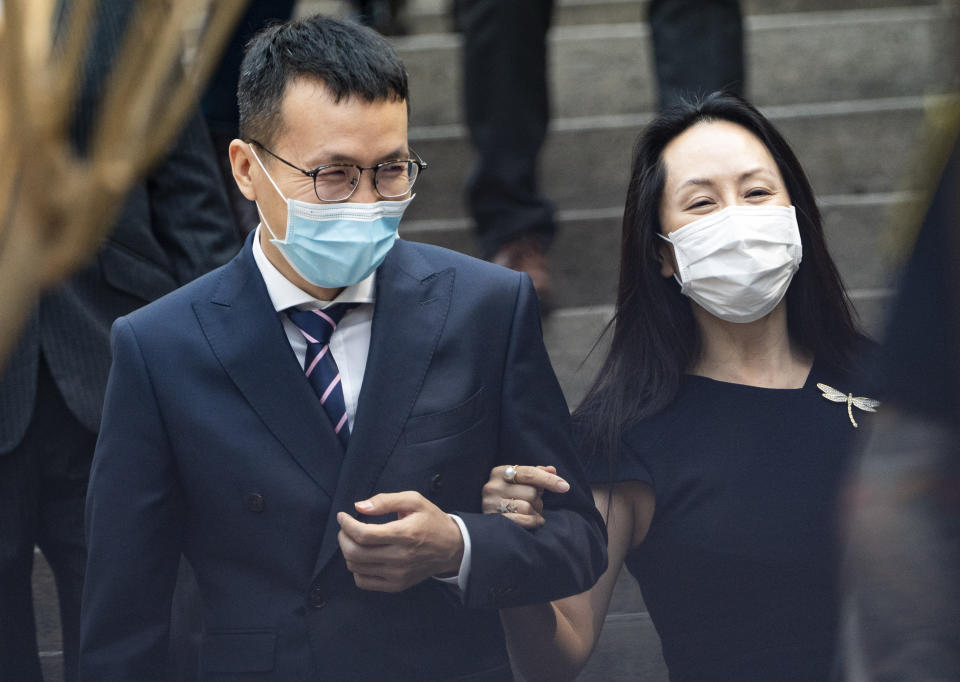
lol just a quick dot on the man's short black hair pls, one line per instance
(350, 59)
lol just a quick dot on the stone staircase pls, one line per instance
(849, 82)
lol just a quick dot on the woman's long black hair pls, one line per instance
(655, 339)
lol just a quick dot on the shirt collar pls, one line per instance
(285, 294)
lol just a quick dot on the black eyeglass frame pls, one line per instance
(420, 163)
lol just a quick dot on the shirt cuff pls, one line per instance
(460, 580)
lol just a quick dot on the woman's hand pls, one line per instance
(516, 491)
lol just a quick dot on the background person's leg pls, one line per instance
(697, 47)
(507, 111)
(66, 453)
(19, 486)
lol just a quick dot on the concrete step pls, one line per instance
(628, 650)
(627, 598)
(791, 58)
(434, 16)
(849, 147)
(584, 260)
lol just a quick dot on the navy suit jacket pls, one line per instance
(214, 443)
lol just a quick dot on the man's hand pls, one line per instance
(519, 499)
(389, 557)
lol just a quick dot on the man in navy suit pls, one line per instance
(312, 423)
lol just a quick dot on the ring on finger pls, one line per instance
(507, 507)
(510, 473)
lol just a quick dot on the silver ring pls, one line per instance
(510, 473)
(507, 507)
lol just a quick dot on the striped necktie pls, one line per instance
(317, 326)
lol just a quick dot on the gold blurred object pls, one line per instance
(938, 130)
(57, 206)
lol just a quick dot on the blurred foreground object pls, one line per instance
(58, 202)
(904, 515)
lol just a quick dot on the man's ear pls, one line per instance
(668, 262)
(242, 163)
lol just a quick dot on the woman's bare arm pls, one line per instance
(553, 641)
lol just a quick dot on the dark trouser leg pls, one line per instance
(43, 484)
(507, 110)
(18, 518)
(383, 15)
(66, 451)
(697, 46)
(219, 101)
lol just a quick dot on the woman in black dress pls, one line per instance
(717, 430)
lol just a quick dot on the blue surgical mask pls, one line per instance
(336, 245)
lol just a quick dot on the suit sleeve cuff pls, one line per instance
(460, 580)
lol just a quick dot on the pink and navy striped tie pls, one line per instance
(317, 326)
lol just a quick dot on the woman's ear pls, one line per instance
(242, 161)
(668, 262)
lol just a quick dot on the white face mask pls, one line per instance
(738, 263)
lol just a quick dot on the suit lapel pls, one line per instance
(248, 338)
(409, 316)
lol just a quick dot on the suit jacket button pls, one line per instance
(436, 482)
(316, 597)
(254, 502)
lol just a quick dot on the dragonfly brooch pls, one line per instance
(865, 404)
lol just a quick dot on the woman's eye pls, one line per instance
(759, 193)
(699, 204)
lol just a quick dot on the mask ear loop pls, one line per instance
(262, 218)
(669, 241)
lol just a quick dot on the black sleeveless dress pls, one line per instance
(739, 569)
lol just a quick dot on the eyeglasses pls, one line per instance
(338, 181)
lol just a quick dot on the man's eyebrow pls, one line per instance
(323, 159)
(327, 159)
(398, 153)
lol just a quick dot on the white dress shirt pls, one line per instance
(349, 345)
(350, 341)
